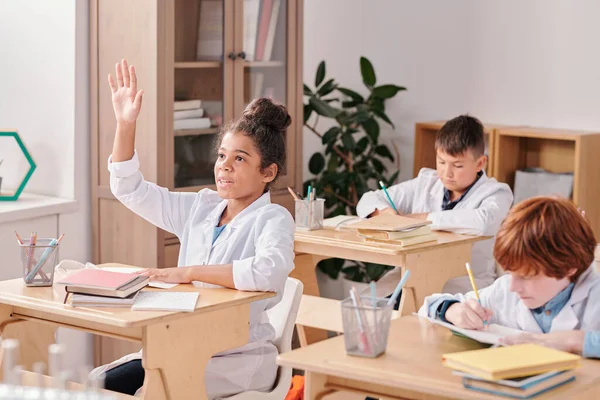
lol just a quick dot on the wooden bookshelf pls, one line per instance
(161, 38)
(513, 148)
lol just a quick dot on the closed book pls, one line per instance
(511, 361)
(395, 235)
(409, 241)
(103, 283)
(518, 388)
(390, 223)
(186, 105)
(87, 300)
(186, 114)
(192, 123)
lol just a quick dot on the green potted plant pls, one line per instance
(352, 160)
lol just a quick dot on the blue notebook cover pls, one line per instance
(513, 396)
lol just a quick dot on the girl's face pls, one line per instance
(537, 290)
(237, 170)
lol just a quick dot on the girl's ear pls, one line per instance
(269, 173)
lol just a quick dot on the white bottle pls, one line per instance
(10, 359)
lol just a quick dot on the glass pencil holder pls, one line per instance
(366, 327)
(39, 260)
(309, 215)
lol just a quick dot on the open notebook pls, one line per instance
(491, 335)
(165, 301)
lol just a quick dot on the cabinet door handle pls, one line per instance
(242, 55)
(232, 56)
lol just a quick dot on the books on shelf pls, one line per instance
(187, 105)
(103, 283)
(186, 114)
(209, 45)
(191, 123)
(260, 26)
(518, 388)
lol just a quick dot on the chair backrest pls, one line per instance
(283, 315)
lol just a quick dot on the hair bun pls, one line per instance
(264, 111)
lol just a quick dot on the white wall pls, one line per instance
(528, 62)
(44, 94)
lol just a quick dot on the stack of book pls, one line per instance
(519, 372)
(92, 287)
(189, 114)
(395, 229)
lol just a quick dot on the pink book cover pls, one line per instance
(98, 278)
(263, 28)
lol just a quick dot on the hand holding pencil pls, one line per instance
(469, 314)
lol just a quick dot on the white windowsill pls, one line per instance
(35, 205)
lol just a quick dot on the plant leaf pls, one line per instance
(320, 74)
(367, 72)
(348, 141)
(349, 104)
(387, 91)
(331, 267)
(326, 88)
(307, 90)
(361, 145)
(333, 163)
(392, 179)
(384, 117)
(316, 163)
(323, 108)
(372, 128)
(330, 136)
(307, 112)
(352, 94)
(378, 165)
(383, 151)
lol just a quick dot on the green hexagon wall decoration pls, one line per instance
(32, 166)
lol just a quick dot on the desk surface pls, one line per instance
(49, 300)
(413, 362)
(350, 239)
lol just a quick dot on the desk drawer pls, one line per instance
(171, 254)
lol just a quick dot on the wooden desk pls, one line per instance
(176, 346)
(411, 368)
(431, 264)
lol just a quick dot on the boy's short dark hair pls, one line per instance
(461, 134)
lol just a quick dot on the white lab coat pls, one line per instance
(259, 242)
(581, 312)
(480, 212)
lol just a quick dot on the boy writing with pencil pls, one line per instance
(457, 197)
(547, 247)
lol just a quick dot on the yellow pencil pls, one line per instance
(472, 279)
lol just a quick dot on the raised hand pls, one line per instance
(126, 99)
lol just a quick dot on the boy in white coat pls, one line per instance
(552, 285)
(232, 237)
(457, 197)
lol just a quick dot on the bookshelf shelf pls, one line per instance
(264, 64)
(196, 132)
(198, 64)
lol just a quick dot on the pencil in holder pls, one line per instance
(309, 214)
(366, 327)
(39, 260)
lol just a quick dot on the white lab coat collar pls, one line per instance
(215, 216)
(567, 318)
(437, 190)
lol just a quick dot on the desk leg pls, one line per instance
(315, 386)
(177, 352)
(34, 337)
(304, 271)
(429, 271)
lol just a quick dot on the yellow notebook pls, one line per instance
(511, 361)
